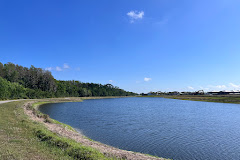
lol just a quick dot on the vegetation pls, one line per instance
(22, 138)
(21, 82)
(206, 98)
(17, 136)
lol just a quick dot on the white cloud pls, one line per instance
(234, 86)
(217, 87)
(49, 68)
(58, 68)
(110, 81)
(221, 86)
(135, 15)
(147, 79)
(66, 66)
(191, 88)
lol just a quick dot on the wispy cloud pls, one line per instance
(215, 87)
(221, 86)
(138, 82)
(58, 68)
(235, 86)
(110, 81)
(66, 66)
(135, 15)
(190, 87)
(49, 68)
(147, 79)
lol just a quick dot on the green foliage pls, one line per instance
(10, 90)
(33, 78)
(70, 148)
(78, 89)
(17, 137)
(21, 82)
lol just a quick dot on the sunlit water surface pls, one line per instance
(176, 129)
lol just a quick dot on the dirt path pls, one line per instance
(105, 149)
(1, 102)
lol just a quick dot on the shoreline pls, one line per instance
(23, 138)
(234, 99)
(64, 130)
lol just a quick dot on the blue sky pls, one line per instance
(140, 46)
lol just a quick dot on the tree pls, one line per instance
(22, 82)
(1, 70)
(10, 72)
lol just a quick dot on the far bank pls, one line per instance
(206, 98)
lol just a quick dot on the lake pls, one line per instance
(176, 129)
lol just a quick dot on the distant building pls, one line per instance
(159, 93)
(174, 93)
(150, 93)
(232, 92)
(143, 94)
(200, 92)
(186, 93)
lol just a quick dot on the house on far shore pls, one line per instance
(174, 93)
(225, 92)
(200, 92)
(151, 93)
(154, 93)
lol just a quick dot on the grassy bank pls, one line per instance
(18, 139)
(23, 138)
(206, 98)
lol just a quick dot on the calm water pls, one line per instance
(180, 130)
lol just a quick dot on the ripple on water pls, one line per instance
(181, 130)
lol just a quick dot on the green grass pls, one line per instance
(17, 138)
(63, 125)
(22, 138)
(37, 104)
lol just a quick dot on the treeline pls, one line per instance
(21, 82)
